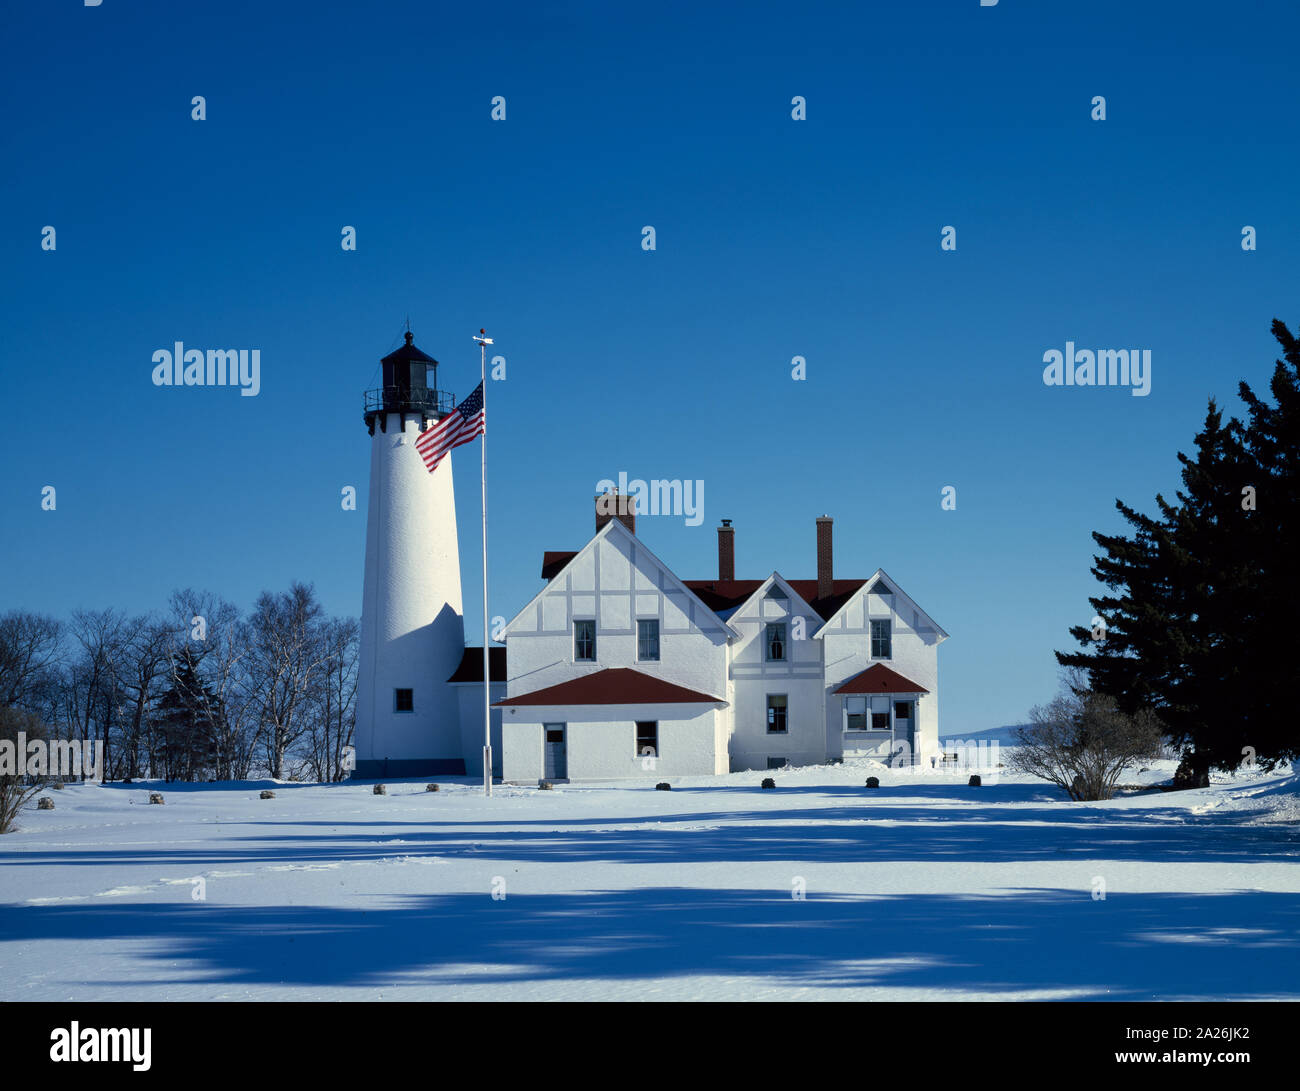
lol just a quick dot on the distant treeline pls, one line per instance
(198, 691)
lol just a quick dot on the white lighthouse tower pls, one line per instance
(412, 628)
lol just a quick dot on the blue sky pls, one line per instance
(775, 238)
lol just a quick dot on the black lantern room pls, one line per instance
(410, 379)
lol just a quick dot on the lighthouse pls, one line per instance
(412, 626)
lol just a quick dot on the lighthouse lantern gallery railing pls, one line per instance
(394, 399)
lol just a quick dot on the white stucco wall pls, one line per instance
(412, 632)
(601, 741)
(470, 697)
(722, 741)
(846, 644)
(798, 677)
(521, 750)
(616, 581)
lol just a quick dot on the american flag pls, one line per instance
(462, 425)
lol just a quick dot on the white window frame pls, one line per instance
(658, 655)
(769, 720)
(594, 645)
(871, 625)
(636, 741)
(785, 642)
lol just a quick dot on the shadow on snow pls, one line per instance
(1130, 946)
(856, 832)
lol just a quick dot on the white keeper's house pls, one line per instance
(620, 669)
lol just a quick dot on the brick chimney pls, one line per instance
(825, 566)
(614, 503)
(726, 551)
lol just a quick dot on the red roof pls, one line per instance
(880, 679)
(553, 562)
(613, 686)
(720, 595)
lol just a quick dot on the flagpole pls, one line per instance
(483, 342)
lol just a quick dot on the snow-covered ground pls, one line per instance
(923, 889)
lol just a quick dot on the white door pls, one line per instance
(904, 720)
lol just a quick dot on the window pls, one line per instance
(776, 713)
(856, 710)
(881, 645)
(777, 763)
(403, 700)
(776, 594)
(902, 710)
(647, 640)
(584, 640)
(775, 641)
(647, 738)
(880, 721)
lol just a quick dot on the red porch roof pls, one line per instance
(880, 679)
(613, 686)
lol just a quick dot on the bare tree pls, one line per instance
(30, 655)
(235, 713)
(198, 691)
(17, 791)
(92, 699)
(1082, 742)
(333, 699)
(142, 665)
(288, 657)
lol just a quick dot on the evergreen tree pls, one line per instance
(1201, 596)
(185, 719)
(1273, 442)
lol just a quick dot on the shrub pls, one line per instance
(1082, 742)
(873, 782)
(15, 791)
(155, 797)
(45, 803)
(974, 781)
(663, 786)
(768, 782)
(545, 785)
(431, 788)
(266, 794)
(379, 790)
